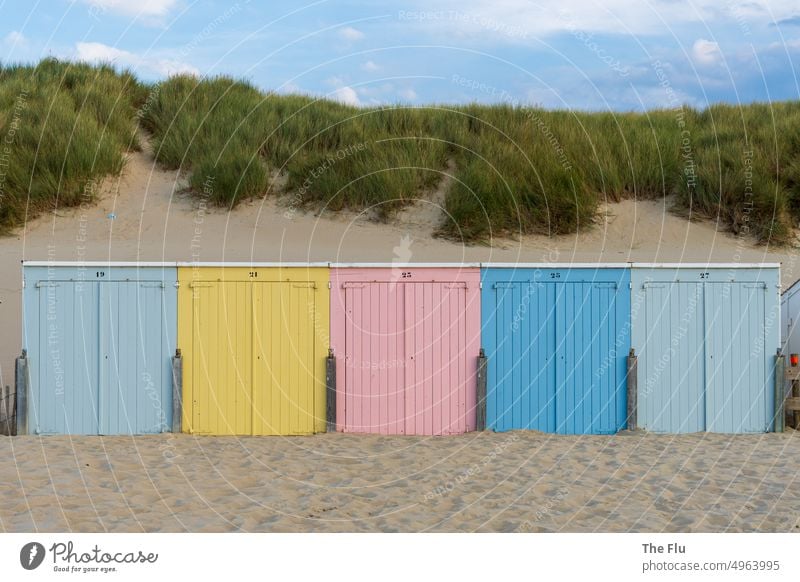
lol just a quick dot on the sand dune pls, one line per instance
(519, 481)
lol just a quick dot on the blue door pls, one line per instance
(672, 368)
(706, 340)
(99, 352)
(556, 340)
(738, 382)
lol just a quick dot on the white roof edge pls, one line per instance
(287, 264)
(168, 264)
(405, 265)
(556, 265)
(791, 289)
(98, 264)
(705, 265)
(296, 264)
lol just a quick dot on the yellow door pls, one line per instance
(254, 344)
(220, 358)
(283, 370)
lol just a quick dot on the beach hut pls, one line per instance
(556, 339)
(406, 341)
(254, 339)
(706, 337)
(99, 339)
(790, 314)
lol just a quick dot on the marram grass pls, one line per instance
(518, 169)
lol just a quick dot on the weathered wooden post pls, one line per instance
(633, 390)
(12, 411)
(330, 391)
(177, 391)
(480, 420)
(21, 384)
(5, 411)
(780, 392)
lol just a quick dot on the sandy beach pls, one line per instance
(486, 482)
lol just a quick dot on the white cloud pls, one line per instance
(15, 38)
(370, 67)
(350, 33)
(706, 52)
(99, 52)
(524, 21)
(408, 94)
(346, 95)
(143, 8)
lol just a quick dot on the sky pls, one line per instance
(620, 55)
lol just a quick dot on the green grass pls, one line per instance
(518, 170)
(63, 126)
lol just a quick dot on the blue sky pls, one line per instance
(618, 54)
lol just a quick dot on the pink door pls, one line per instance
(406, 345)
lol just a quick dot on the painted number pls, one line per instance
(406, 274)
(253, 274)
(100, 274)
(704, 275)
(555, 275)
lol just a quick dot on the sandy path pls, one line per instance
(153, 223)
(477, 482)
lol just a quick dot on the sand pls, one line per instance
(497, 482)
(475, 482)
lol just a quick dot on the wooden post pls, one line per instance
(5, 411)
(480, 414)
(177, 391)
(330, 391)
(633, 390)
(12, 410)
(780, 393)
(21, 385)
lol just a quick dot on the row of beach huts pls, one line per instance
(413, 349)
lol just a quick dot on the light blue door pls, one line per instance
(133, 396)
(738, 383)
(99, 350)
(64, 359)
(706, 341)
(672, 368)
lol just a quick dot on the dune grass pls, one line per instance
(63, 126)
(518, 169)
